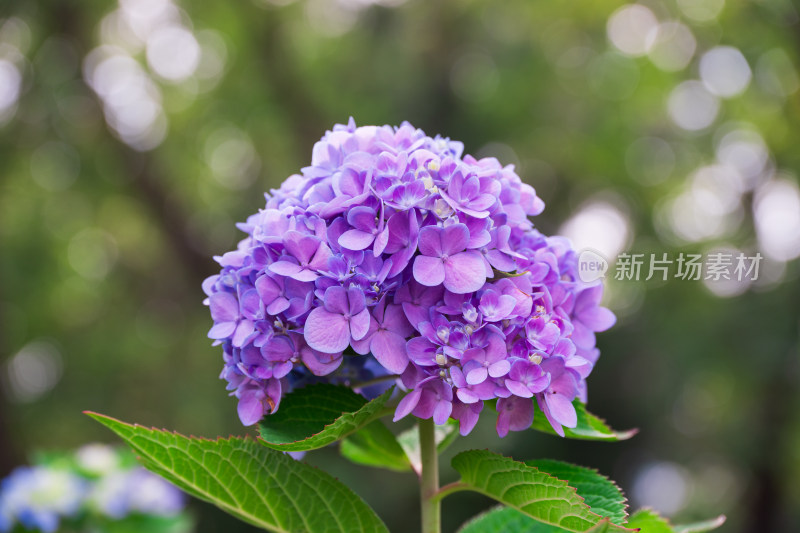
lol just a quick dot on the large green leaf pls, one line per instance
(409, 441)
(317, 415)
(263, 487)
(601, 494)
(590, 427)
(375, 445)
(527, 489)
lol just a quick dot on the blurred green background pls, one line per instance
(134, 134)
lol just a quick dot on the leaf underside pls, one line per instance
(260, 486)
(375, 445)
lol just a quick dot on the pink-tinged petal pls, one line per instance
(455, 239)
(224, 306)
(320, 364)
(223, 330)
(336, 301)
(429, 271)
(356, 239)
(463, 272)
(477, 375)
(326, 332)
(598, 318)
(359, 324)
(430, 241)
(251, 408)
(442, 412)
(389, 349)
(285, 268)
(561, 409)
(499, 369)
(407, 404)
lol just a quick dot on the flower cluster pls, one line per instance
(95, 485)
(393, 244)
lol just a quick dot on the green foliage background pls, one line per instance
(103, 247)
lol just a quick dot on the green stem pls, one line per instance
(429, 478)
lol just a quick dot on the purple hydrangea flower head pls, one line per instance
(395, 254)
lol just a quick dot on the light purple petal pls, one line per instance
(597, 318)
(407, 404)
(356, 239)
(561, 409)
(224, 306)
(442, 412)
(251, 408)
(499, 369)
(389, 349)
(359, 324)
(285, 268)
(320, 364)
(477, 375)
(454, 239)
(430, 241)
(463, 272)
(336, 300)
(223, 330)
(327, 332)
(429, 271)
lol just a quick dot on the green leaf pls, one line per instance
(651, 522)
(601, 494)
(260, 486)
(527, 489)
(503, 519)
(375, 445)
(409, 441)
(317, 415)
(590, 427)
(701, 527)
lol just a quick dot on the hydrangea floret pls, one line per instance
(97, 482)
(395, 255)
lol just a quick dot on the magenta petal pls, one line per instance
(407, 404)
(356, 239)
(327, 332)
(463, 273)
(389, 349)
(359, 324)
(429, 271)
